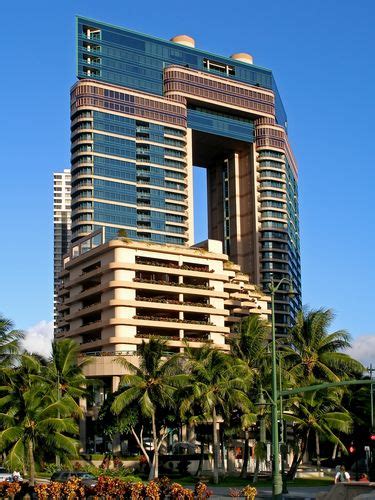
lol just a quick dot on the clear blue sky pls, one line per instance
(322, 54)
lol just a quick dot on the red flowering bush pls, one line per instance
(201, 491)
(153, 490)
(73, 489)
(3, 487)
(42, 490)
(12, 489)
(109, 487)
(164, 484)
(137, 491)
(178, 492)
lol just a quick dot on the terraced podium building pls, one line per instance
(118, 293)
(144, 111)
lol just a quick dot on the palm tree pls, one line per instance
(312, 354)
(321, 412)
(65, 371)
(9, 342)
(218, 385)
(251, 346)
(28, 416)
(152, 386)
(65, 374)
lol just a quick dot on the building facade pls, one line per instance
(144, 111)
(61, 227)
(116, 294)
(119, 293)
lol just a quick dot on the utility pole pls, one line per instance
(283, 445)
(277, 483)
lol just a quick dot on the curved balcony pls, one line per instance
(82, 117)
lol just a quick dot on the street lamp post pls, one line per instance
(277, 483)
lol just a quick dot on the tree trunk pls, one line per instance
(201, 459)
(260, 452)
(215, 447)
(317, 446)
(139, 440)
(246, 454)
(154, 470)
(57, 457)
(297, 459)
(31, 463)
(256, 471)
(334, 452)
(222, 451)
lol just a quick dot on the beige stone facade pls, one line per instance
(118, 294)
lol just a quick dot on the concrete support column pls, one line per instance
(115, 383)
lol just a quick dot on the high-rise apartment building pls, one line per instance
(144, 111)
(61, 226)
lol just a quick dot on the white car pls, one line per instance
(5, 475)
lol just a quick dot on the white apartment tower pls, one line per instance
(61, 226)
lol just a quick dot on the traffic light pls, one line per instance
(372, 436)
(352, 448)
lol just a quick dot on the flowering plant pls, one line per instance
(235, 493)
(153, 490)
(164, 484)
(137, 491)
(13, 489)
(249, 492)
(201, 491)
(42, 490)
(73, 489)
(178, 492)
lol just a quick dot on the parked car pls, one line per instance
(5, 475)
(87, 478)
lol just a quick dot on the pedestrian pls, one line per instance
(364, 478)
(342, 476)
(16, 476)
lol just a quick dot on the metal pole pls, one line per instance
(282, 443)
(277, 486)
(371, 398)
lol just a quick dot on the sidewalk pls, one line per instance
(307, 492)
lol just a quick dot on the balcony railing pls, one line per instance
(173, 320)
(171, 283)
(107, 353)
(173, 337)
(174, 302)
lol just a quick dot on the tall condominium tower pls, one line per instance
(144, 111)
(61, 225)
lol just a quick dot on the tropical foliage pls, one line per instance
(38, 401)
(223, 392)
(152, 386)
(312, 354)
(9, 342)
(217, 386)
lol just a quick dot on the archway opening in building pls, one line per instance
(200, 204)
